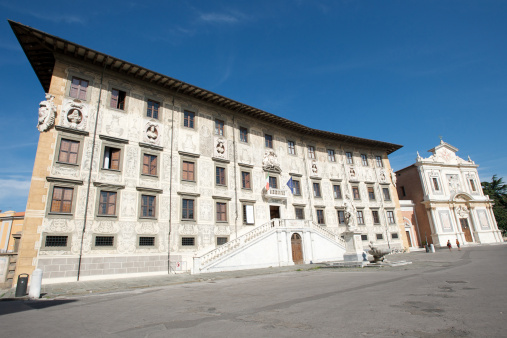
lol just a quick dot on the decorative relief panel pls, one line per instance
(66, 171)
(188, 229)
(454, 184)
(483, 219)
(47, 114)
(314, 169)
(115, 124)
(207, 235)
(152, 133)
(270, 161)
(222, 230)
(87, 155)
(206, 208)
(206, 141)
(58, 225)
(74, 114)
(128, 203)
(220, 149)
(147, 228)
(244, 154)
(132, 164)
(112, 177)
(445, 220)
(188, 143)
(164, 207)
(126, 243)
(105, 227)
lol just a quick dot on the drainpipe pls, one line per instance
(90, 171)
(309, 180)
(171, 186)
(235, 172)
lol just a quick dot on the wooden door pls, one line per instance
(297, 249)
(408, 239)
(274, 211)
(466, 229)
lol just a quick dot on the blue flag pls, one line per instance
(290, 184)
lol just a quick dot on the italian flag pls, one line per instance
(267, 182)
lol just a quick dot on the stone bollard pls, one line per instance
(432, 248)
(35, 284)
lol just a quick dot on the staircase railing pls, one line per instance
(256, 232)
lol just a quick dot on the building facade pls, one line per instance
(138, 173)
(448, 200)
(11, 225)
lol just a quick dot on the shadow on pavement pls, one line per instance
(11, 305)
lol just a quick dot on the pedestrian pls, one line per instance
(457, 244)
(449, 244)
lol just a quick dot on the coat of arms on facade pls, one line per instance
(74, 115)
(152, 134)
(270, 161)
(352, 173)
(315, 169)
(462, 211)
(382, 176)
(221, 148)
(454, 185)
(47, 113)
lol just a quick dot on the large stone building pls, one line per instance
(139, 173)
(445, 193)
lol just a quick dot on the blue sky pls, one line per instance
(403, 71)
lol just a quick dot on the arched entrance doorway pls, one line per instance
(297, 249)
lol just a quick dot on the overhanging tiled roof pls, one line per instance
(40, 49)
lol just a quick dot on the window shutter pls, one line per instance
(153, 165)
(115, 159)
(74, 88)
(146, 164)
(114, 98)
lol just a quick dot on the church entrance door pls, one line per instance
(297, 249)
(466, 229)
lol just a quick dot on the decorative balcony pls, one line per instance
(273, 193)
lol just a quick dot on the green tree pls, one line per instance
(497, 191)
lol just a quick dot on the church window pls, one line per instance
(435, 183)
(472, 185)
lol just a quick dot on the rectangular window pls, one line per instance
(355, 193)
(394, 235)
(292, 147)
(341, 217)
(316, 190)
(472, 185)
(118, 99)
(337, 191)
(149, 164)
(56, 241)
(148, 205)
(364, 160)
(62, 200)
(387, 195)
(78, 88)
(273, 182)
(371, 194)
(297, 187)
(311, 152)
(220, 176)
(378, 159)
(360, 218)
(330, 155)
(219, 127)
(300, 213)
(245, 180)
(107, 203)
(390, 217)
(187, 209)
(435, 184)
(380, 237)
(104, 240)
(320, 217)
(187, 241)
(69, 150)
(188, 119)
(248, 214)
(349, 157)
(375, 216)
(403, 192)
(187, 173)
(268, 140)
(222, 240)
(152, 110)
(243, 134)
(221, 212)
(146, 241)
(364, 237)
(111, 158)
